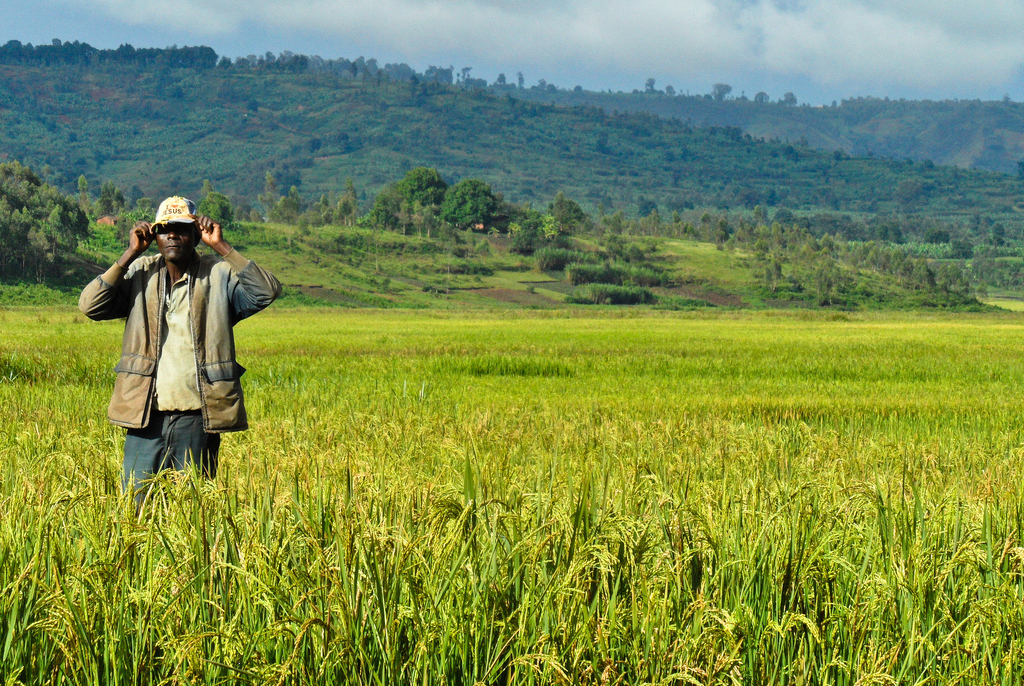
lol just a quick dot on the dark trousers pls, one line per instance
(172, 440)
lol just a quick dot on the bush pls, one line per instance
(608, 294)
(466, 267)
(644, 276)
(673, 302)
(580, 274)
(614, 274)
(217, 207)
(554, 259)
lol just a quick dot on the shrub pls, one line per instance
(580, 273)
(614, 274)
(644, 276)
(466, 267)
(553, 259)
(608, 294)
(673, 302)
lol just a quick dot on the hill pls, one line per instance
(157, 128)
(965, 133)
(749, 266)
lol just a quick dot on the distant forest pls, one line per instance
(965, 133)
(203, 58)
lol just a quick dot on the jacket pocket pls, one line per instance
(222, 371)
(136, 364)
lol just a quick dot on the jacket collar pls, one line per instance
(193, 264)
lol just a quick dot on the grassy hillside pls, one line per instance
(757, 267)
(155, 130)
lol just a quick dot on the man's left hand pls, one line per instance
(212, 234)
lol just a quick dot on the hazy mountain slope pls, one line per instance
(969, 133)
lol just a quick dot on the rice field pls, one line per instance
(531, 498)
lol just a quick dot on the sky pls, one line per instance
(821, 50)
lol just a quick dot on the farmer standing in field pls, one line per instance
(178, 384)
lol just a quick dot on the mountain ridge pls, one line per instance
(160, 122)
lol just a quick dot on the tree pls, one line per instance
(772, 275)
(525, 230)
(826, 279)
(348, 205)
(423, 185)
(568, 216)
(268, 198)
(469, 204)
(438, 75)
(761, 98)
(83, 193)
(649, 85)
(217, 207)
(387, 207)
(501, 80)
(960, 249)
(288, 208)
(644, 206)
(520, 79)
(720, 90)
(921, 275)
(909, 192)
(997, 235)
(111, 200)
(951, 279)
(789, 100)
(144, 206)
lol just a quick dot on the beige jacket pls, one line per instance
(220, 293)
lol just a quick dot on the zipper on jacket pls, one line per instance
(195, 348)
(161, 306)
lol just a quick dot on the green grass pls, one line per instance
(1006, 303)
(548, 497)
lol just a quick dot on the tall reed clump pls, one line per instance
(693, 500)
(615, 274)
(608, 294)
(556, 259)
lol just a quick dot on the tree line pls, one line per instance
(78, 53)
(203, 58)
(40, 229)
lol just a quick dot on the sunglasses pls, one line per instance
(177, 227)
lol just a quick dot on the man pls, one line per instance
(178, 384)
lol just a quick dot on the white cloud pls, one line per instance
(907, 43)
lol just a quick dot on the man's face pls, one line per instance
(176, 242)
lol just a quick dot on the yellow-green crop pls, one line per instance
(531, 498)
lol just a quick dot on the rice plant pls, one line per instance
(530, 498)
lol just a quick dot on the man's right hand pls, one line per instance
(141, 236)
